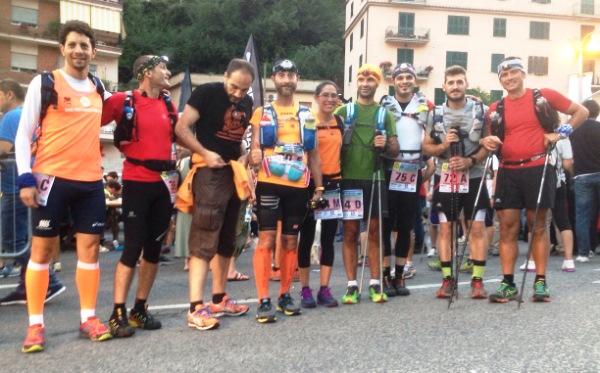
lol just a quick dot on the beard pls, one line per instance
(456, 98)
(286, 91)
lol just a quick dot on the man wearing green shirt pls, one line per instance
(368, 133)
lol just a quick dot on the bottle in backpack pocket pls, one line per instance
(268, 137)
(309, 133)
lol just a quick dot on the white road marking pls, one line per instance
(8, 286)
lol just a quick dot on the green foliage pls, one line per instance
(206, 34)
(482, 94)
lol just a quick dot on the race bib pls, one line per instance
(352, 207)
(334, 211)
(451, 180)
(171, 180)
(44, 185)
(404, 177)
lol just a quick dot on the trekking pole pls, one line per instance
(454, 266)
(378, 168)
(535, 216)
(470, 222)
(365, 251)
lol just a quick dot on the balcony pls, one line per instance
(418, 36)
(589, 11)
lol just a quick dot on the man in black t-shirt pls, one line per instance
(586, 176)
(219, 112)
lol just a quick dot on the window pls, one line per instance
(496, 95)
(587, 6)
(537, 65)
(351, 41)
(360, 59)
(350, 74)
(351, 9)
(23, 62)
(440, 96)
(362, 28)
(499, 27)
(496, 58)
(24, 16)
(406, 23)
(539, 30)
(405, 55)
(456, 58)
(458, 25)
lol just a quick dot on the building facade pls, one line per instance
(553, 37)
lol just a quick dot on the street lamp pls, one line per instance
(583, 81)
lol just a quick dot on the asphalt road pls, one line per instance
(417, 333)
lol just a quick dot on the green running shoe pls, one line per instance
(435, 265)
(351, 296)
(467, 267)
(541, 292)
(504, 294)
(376, 295)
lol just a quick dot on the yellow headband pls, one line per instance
(370, 70)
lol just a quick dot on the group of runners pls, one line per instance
(360, 161)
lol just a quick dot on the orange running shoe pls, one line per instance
(477, 290)
(227, 307)
(202, 319)
(447, 288)
(35, 339)
(94, 330)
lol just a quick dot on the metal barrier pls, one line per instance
(15, 218)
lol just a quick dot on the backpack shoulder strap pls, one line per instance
(173, 116)
(350, 114)
(48, 94)
(98, 83)
(380, 118)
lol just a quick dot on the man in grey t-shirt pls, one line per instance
(453, 137)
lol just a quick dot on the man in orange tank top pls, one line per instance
(66, 173)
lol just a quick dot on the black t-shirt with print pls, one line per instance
(222, 123)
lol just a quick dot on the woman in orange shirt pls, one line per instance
(329, 132)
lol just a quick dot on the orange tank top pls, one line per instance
(69, 145)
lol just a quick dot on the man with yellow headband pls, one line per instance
(284, 144)
(520, 142)
(363, 142)
(148, 170)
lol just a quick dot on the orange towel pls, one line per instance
(185, 195)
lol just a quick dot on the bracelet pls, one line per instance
(319, 189)
(564, 130)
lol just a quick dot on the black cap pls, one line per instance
(285, 65)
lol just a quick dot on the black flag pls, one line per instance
(256, 91)
(186, 89)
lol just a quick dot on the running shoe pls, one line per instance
(504, 294)
(54, 291)
(431, 252)
(541, 292)
(376, 295)
(530, 266)
(477, 290)
(8, 271)
(462, 240)
(14, 297)
(143, 319)
(388, 287)
(94, 330)
(307, 300)
(467, 267)
(275, 275)
(35, 339)
(265, 312)
(285, 304)
(435, 265)
(202, 319)
(118, 324)
(409, 269)
(227, 307)
(400, 286)
(57, 266)
(568, 266)
(324, 298)
(351, 296)
(447, 288)
(583, 259)
(163, 260)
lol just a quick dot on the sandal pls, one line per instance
(238, 277)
